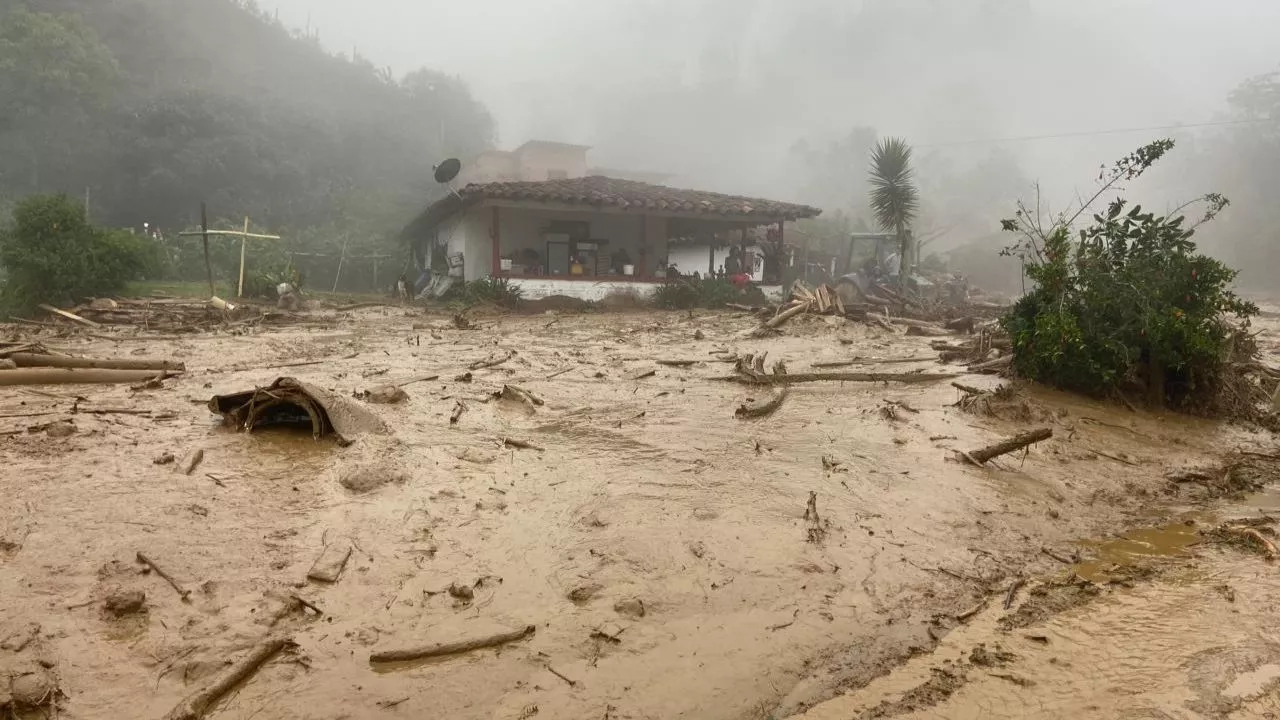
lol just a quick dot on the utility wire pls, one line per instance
(1092, 133)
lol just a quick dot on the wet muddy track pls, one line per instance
(657, 542)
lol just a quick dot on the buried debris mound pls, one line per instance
(289, 402)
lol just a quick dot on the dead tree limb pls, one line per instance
(1017, 442)
(992, 366)
(28, 360)
(198, 703)
(1268, 548)
(792, 379)
(785, 315)
(452, 648)
(182, 592)
(968, 389)
(490, 362)
(72, 376)
(458, 409)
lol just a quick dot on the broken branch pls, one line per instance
(197, 704)
(452, 648)
(182, 592)
(761, 408)
(1009, 445)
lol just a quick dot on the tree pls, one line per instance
(894, 198)
(51, 254)
(1126, 299)
(55, 75)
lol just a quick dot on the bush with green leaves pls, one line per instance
(486, 291)
(51, 254)
(1126, 300)
(686, 293)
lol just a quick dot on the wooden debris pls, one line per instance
(968, 389)
(24, 359)
(551, 669)
(762, 408)
(192, 461)
(182, 592)
(69, 315)
(1057, 556)
(677, 363)
(458, 409)
(1017, 442)
(643, 374)
(328, 567)
(196, 705)
(519, 394)
(1268, 548)
(491, 362)
(520, 444)
(452, 648)
(1013, 591)
(816, 532)
(72, 376)
(308, 605)
(993, 367)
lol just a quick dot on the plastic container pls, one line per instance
(628, 269)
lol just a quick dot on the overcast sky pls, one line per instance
(718, 90)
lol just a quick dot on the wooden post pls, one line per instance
(204, 232)
(375, 273)
(341, 259)
(243, 239)
(497, 243)
(748, 268)
(644, 247)
(711, 259)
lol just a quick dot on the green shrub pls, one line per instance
(486, 291)
(50, 254)
(688, 293)
(1125, 300)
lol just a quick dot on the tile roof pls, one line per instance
(597, 191)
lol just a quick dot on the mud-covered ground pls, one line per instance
(657, 542)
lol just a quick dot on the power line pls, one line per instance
(1093, 133)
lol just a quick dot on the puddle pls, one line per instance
(1137, 547)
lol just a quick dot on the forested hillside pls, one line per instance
(156, 105)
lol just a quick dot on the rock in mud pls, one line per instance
(584, 593)
(60, 429)
(462, 593)
(125, 603)
(983, 657)
(631, 607)
(368, 477)
(32, 690)
(386, 395)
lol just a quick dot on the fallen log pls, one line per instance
(72, 376)
(25, 359)
(452, 648)
(490, 362)
(992, 366)
(1017, 442)
(761, 408)
(198, 703)
(183, 593)
(786, 315)
(791, 379)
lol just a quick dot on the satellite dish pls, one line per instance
(448, 170)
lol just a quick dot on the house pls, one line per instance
(534, 160)
(591, 236)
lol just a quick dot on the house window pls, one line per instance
(557, 174)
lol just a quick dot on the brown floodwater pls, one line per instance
(643, 492)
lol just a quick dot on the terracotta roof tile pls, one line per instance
(600, 191)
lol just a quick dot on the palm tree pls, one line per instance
(894, 198)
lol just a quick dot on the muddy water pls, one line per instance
(1198, 641)
(646, 492)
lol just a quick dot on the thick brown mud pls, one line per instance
(657, 542)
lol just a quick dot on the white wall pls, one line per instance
(468, 233)
(534, 289)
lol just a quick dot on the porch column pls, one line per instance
(497, 242)
(782, 243)
(711, 258)
(643, 269)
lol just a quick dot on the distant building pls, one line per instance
(532, 161)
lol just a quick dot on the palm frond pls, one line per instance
(894, 198)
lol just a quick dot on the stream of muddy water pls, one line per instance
(658, 543)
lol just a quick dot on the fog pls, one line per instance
(729, 94)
